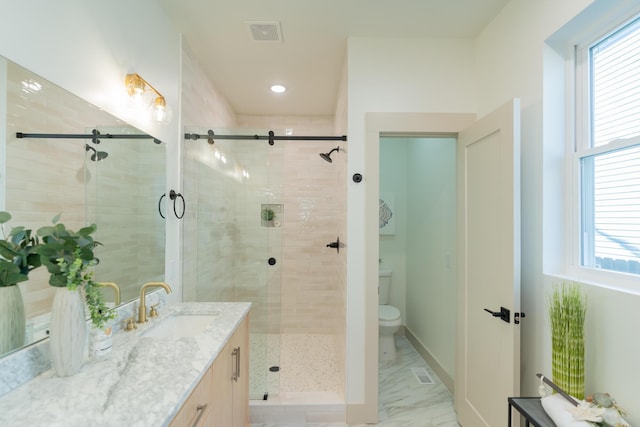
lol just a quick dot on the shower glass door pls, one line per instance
(232, 237)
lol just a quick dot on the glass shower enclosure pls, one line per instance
(232, 236)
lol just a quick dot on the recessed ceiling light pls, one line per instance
(278, 89)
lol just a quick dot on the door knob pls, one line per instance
(503, 314)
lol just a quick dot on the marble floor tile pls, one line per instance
(403, 401)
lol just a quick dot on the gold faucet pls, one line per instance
(142, 310)
(116, 289)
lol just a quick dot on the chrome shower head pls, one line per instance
(327, 156)
(97, 155)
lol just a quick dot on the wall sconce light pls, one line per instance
(137, 87)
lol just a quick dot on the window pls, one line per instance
(608, 151)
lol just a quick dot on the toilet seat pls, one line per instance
(388, 313)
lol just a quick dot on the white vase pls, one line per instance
(68, 332)
(12, 320)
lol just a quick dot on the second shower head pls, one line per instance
(97, 155)
(327, 156)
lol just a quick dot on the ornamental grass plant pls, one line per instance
(567, 309)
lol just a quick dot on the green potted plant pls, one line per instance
(18, 257)
(69, 256)
(18, 254)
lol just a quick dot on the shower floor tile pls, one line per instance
(307, 363)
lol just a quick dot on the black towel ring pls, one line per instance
(173, 196)
(160, 205)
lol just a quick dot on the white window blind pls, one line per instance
(615, 92)
(610, 162)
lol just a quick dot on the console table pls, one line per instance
(532, 411)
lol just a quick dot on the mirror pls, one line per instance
(114, 183)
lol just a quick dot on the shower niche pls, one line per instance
(271, 215)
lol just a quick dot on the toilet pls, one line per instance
(389, 320)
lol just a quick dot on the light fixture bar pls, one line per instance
(133, 81)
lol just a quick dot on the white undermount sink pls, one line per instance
(181, 325)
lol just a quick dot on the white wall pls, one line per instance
(431, 267)
(87, 47)
(387, 75)
(393, 247)
(513, 62)
(510, 64)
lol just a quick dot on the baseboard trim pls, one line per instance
(431, 361)
(360, 414)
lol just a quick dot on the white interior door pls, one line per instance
(487, 347)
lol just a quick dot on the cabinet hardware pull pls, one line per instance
(200, 409)
(234, 374)
(238, 364)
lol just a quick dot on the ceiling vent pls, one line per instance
(264, 31)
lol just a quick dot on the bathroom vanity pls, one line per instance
(160, 374)
(221, 398)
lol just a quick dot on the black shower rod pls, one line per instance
(95, 136)
(210, 136)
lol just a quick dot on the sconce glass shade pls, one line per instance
(135, 87)
(160, 112)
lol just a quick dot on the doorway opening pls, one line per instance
(417, 242)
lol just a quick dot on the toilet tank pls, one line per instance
(384, 284)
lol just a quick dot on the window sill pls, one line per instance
(619, 282)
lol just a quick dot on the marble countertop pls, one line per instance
(142, 382)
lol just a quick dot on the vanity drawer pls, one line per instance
(196, 411)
